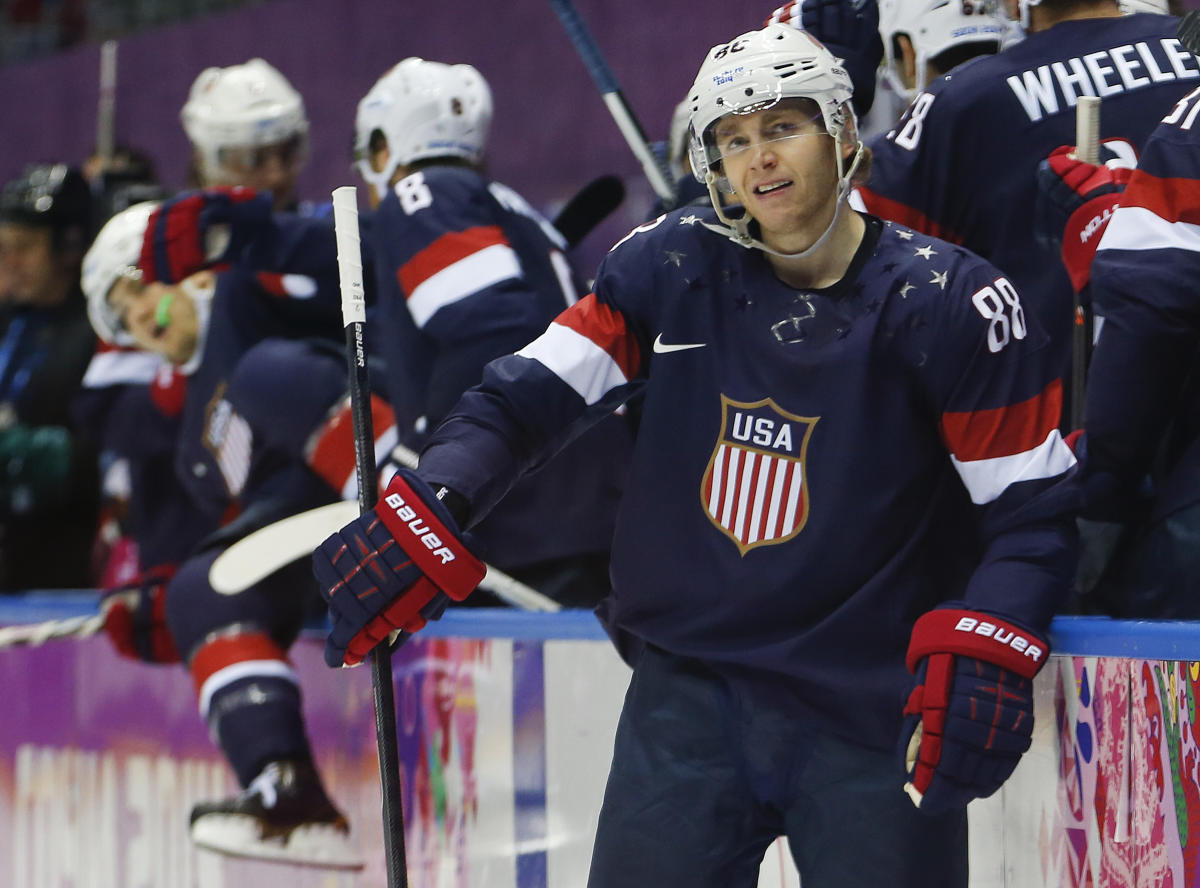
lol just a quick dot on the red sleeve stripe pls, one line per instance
(454, 266)
(288, 286)
(589, 347)
(223, 661)
(330, 451)
(1003, 431)
(1173, 200)
(886, 208)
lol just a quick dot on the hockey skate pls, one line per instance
(284, 815)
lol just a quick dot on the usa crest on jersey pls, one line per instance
(755, 489)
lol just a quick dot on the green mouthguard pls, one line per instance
(162, 315)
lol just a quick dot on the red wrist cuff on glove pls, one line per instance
(982, 636)
(1082, 235)
(438, 552)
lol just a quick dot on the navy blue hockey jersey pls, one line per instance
(468, 271)
(1145, 279)
(961, 162)
(814, 469)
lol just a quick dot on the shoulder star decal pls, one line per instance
(674, 257)
(904, 290)
(939, 278)
(926, 251)
(903, 234)
(688, 220)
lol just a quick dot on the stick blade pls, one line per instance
(258, 555)
(590, 206)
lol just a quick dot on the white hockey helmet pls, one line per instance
(114, 254)
(250, 105)
(935, 26)
(424, 109)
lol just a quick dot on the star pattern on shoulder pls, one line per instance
(674, 257)
(688, 220)
(926, 251)
(904, 234)
(903, 291)
(941, 278)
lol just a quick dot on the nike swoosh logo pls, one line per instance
(661, 348)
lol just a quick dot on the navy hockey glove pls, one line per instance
(199, 229)
(135, 617)
(1074, 203)
(850, 30)
(969, 717)
(392, 569)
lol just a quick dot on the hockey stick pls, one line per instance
(614, 100)
(106, 107)
(258, 555)
(1087, 149)
(354, 317)
(1189, 32)
(50, 630)
(590, 206)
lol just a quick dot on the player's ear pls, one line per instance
(378, 152)
(908, 60)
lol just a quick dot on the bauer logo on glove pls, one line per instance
(969, 717)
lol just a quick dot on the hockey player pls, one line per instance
(1142, 442)
(468, 271)
(49, 488)
(241, 424)
(773, 561)
(247, 127)
(961, 163)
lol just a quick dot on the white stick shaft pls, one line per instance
(39, 633)
(105, 111)
(349, 255)
(1087, 129)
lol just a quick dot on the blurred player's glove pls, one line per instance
(1074, 203)
(135, 617)
(850, 30)
(199, 229)
(392, 569)
(970, 714)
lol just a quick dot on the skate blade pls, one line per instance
(238, 835)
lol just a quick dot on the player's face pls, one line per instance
(781, 165)
(271, 168)
(161, 318)
(32, 272)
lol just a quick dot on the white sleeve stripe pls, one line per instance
(577, 361)
(245, 669)
(117, 367)
(986, 479)
(1137, 228)
(456, 281)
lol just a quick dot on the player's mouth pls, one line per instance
(768, 188)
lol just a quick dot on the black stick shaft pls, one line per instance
(345, 208)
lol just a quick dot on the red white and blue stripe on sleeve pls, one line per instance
(992, 449)
(456, 265)
(590, 348)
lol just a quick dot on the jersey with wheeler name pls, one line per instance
(1143, 393)
(814, 468)
(468, 271)
(961, 163)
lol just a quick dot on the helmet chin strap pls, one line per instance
(738, 230)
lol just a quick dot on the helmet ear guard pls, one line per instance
(424, 110)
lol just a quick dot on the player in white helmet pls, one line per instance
(923, 39)
(763, 588)
(248, 127)
(418, 111)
